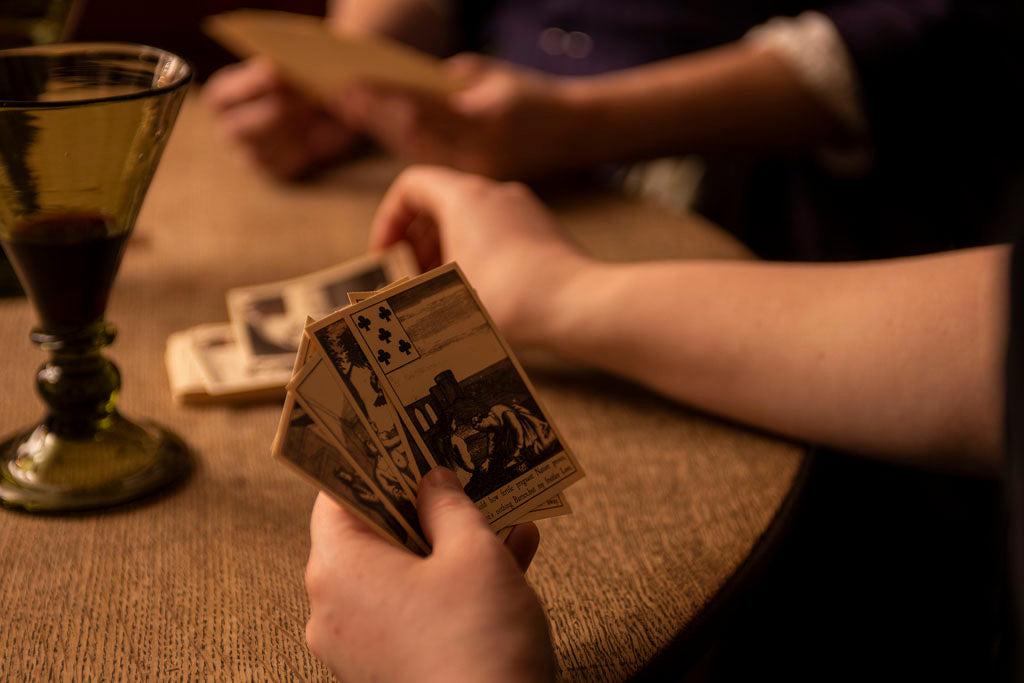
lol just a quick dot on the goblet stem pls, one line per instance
(84, 454)
(79, 385)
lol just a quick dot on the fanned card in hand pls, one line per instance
(431, 360)
(302, 444)
(458, 398)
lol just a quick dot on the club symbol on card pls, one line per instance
(387, 340)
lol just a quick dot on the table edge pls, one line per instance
(698, 636)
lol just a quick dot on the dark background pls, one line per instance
(174, 26)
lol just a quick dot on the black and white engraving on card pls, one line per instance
(326, 401)
(340, 347)
(322, 463)
(462, 394)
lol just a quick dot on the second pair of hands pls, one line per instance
(507, 122)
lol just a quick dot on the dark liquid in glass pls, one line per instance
(67, 265)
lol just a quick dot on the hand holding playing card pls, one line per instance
(505, 240)
(506, 123)
(371, 603)
(468, 112)
(277, 126)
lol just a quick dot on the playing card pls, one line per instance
(301, 444)
(328, 401)
(223, 369)
(327, 290)
(322, 62)
(356, 297)
(354, 373)
(460, 391)
(183, 372)
(553, 507)
(306, 351)
(268, 319)
(342, 429)
(386, 337)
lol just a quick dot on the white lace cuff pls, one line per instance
(811, 44)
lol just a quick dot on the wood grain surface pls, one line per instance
(205, 582)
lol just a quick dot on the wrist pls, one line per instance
(559, 301)
(582, 118)
(598, 109)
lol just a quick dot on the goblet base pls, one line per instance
(122, 461)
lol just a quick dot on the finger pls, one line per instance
(345, 554)
(328, 135)
(447, 515)
(332, 528)
(425, 239)
(410, 125)
(466, 67)
(255, 121)
(491, 93)
(269, 138)
(280, 157)
(523, 543)
(418, 190)
(242, 82)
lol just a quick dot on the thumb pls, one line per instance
(466, 67)
(419, 193)
(446, 512)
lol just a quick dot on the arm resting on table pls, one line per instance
(901, 357)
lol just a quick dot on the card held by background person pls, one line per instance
(319, 61)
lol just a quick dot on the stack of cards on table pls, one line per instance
(251, 357)
(409, 378)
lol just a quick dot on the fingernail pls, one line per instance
(442, 478)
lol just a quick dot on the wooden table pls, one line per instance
(207, 581)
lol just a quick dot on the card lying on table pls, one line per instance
(321, 62)
(267, 319)
(205, 365)
(417, 376)
(251, 358)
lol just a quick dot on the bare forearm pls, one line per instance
(739, 96)
(424, 24)
(902, 358)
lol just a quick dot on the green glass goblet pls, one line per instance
(82, 128)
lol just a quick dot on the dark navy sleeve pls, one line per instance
(1012, 643)
(934, 72)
